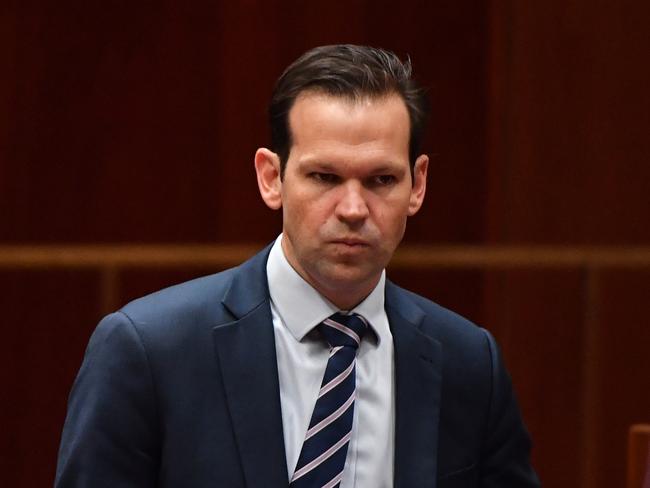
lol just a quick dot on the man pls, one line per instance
(304, 366)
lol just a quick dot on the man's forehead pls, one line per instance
(352, 99)
(329, 127)
(315, 107)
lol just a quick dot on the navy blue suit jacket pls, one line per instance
(180, 388)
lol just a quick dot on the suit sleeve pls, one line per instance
(110, 437)
(506, 446)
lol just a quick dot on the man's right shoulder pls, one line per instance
(193, 308)
(178, 309)
(192, 296)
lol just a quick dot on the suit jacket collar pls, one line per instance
(249, 287)
(418, 379)
(245, 349)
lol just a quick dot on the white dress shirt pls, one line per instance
(302, 358)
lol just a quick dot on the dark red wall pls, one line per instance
(126, 122)
(122, 118)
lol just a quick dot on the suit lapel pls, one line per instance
(246, 354)
(245, 351)
(418, 377)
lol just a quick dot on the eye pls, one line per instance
(324, 177)
(384, 180)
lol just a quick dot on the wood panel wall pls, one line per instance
(568, 147)
(123, 125)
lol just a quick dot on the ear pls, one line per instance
(419, 184)
(267, 167)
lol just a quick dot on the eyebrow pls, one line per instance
(388, 168)
(318, 164)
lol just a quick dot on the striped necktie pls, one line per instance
(325, 448)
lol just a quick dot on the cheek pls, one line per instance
(393, 226)
(390, 216)
(305, 216)
(316, 209)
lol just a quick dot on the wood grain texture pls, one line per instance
(146, 132)
(622, 393)
(536, 316)
(47, 318)
(638, 456)
(126, 140)
(569, 115)
(406, 257)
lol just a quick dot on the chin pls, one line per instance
(345, 276)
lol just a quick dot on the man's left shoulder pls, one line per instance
(436, 321)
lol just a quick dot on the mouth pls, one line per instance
(351, 242)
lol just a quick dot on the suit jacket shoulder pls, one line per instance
(482, 440)
(149, 406)
(195, 307)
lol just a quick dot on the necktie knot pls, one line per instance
(343, 330)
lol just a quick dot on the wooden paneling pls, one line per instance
(47, 317)
(638, 456)
(111, 130)
(537, 316)
(458, 289)
(621, 394)
(146, 132)
(136, 123)
(569, 115)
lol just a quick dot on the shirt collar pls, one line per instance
(302, 308)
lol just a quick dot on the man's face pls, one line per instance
(347, 191)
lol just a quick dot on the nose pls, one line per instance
(352, 206)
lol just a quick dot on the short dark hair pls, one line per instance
(346, 70)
